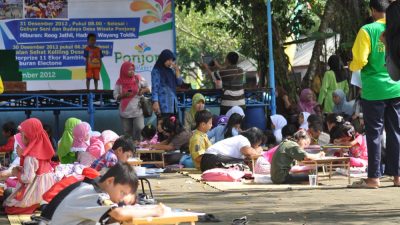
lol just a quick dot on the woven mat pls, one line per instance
(18, 219)
(340, 182)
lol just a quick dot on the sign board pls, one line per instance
(49, 37)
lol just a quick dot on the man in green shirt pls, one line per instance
(380, 98)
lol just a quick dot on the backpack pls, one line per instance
(48, 211)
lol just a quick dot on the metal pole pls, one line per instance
(173, 27)
(91, 109)
(271, 60)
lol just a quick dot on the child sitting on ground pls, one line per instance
(286, 154)
(318, 137)
(9, 130)
(345, 135)
(108, 137)
(278, 122)
(35, 174)
(178, 137)
(122, 150)
(96, 201)
(64, 146)
(93, 152)
(7, 174)
(232, 128)
(81, 134)
(149, 135)
(199, 142)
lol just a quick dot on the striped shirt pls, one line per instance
(232, 83)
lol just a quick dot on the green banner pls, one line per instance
(46, 74)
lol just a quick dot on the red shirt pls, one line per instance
(9, 146)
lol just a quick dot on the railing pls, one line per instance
(57, 101)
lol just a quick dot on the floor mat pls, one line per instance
(335, 183)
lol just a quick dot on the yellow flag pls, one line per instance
(1, 86)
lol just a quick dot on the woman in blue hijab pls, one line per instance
(342, 106)
(165, 77)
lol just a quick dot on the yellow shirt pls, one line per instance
(198, 145)
(1, 86)
(362, 49)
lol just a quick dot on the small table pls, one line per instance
(152, 152)
(135, 162)
(173, 219)
(145, 177)
(329, 161)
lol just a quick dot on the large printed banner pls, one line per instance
(49, 37)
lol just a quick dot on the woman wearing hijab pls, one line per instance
(35, 174)
(128, 89)
(65, 144)
(335, 78)
(81, 133)
(278, 122)
(198, 102)
(307, 101)
(108, 137)
(342, 106)
(165, 77)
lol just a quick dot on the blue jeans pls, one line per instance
(379, 115)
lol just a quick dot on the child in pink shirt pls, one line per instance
(345, 135)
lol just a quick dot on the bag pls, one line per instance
(144, 102)
(223, 175)
(262, 166)
(147, 106)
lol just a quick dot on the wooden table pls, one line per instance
(174, 219)
(330, 162)
(135, 162)
(152, 153)
(335, 148)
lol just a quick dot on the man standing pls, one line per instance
(232, 78)
(380, 98)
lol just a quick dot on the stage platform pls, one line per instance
(70, 100)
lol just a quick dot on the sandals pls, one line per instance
(361, 184)
(240, 221)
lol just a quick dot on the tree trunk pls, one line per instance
(259, 30)
(329, 14)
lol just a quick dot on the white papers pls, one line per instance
(356, 79)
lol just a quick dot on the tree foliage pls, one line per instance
(246, 21)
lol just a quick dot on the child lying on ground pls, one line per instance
(96, 201)
(233, 150)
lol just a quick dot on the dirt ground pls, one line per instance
(332, 206)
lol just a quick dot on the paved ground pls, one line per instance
(337, 206)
